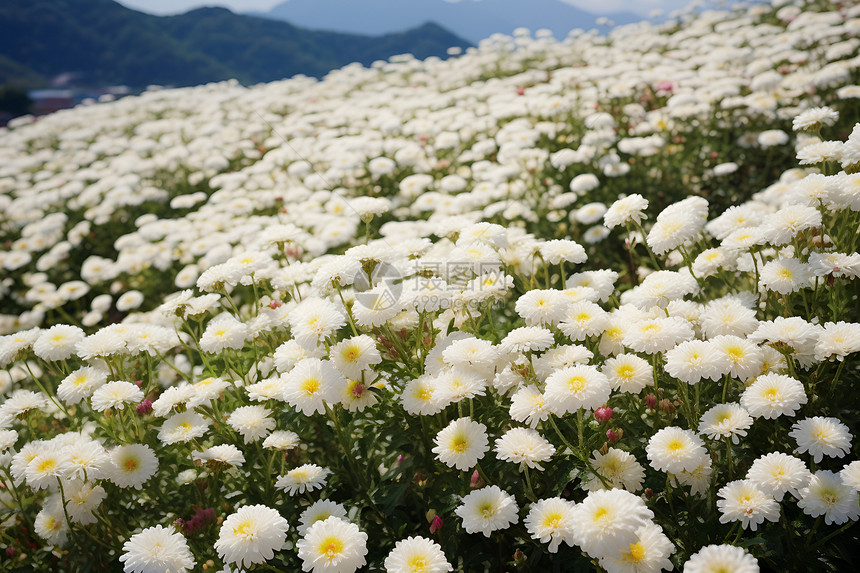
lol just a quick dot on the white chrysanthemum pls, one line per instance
(528, 406)
(353, 355)
(417, 555)
(332, 545)
(419, 397)
(820, 436)
(115, 395)
(219, 456)
(560, 357)
(50, 524)
(785, 276)
(673, 450)
(487, 509)
(252, 422)
(57, 342)
(626, 210)
(619, 470)
(183, 427)
(773, 395)
(850, 475)
(307, 477)
(80, 384)
(281, 440)
(837, 340)
(81, 499)
(583, 319)
(827, 495)
(461, 443)
(542, 307)
(156, 549)
(311, 384)
(174, 399)
(650, 553)
(657, 335)
(524, 446)
(728, 316)
(813, 119)
(526, 339)
(44, 469)
(313, 320)
(224, 331)
(777, 473)
(129, 300)
(575, 387)
(741, 357)
(319, 511)
(607, 521)
(271, 388)
(628, 373)
(87, 459)
(457, 384)
(251, 535)
(558, 250)
(132, 465)
(693, 360)
(551, 521)
(721, 559)
(19, 403)
(725, 421)
(743, 501)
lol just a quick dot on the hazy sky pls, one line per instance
(179, 6)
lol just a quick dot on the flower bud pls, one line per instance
(436, 524)
(603, 414)
(651, 402)
(614, 435)
(667, 406)
(144, 408)
(476, 482)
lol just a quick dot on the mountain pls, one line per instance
(107, 43)
(470, 19)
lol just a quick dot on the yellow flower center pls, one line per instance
(244, 530)
(576, 383)
(417, 564)
(552, 520)
(130, 465)
(637, 552)
(625, 372)
(311, 386)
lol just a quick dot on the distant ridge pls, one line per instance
(107, 43)
(470, 19)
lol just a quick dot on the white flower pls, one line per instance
(725, 421)
(626, 210)
(827, 495)
(575, 387)
(251, 535)
(332, 545)
(607, 521)
(619, 470)
(461, 443)
(132, 465)
(57, 342)
(777, 473)
(743, 501)
(307, 477)
(820, 436)
(773, 395)
(487, 509)
(417, 555)
(115, 395)
(674, 450)
(650, 553)
(721, 559)
(551, 521)
(156, 549)
(318, 511)
(252, 422)
(628, 373)
(524, 446)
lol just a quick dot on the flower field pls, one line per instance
(547, 305)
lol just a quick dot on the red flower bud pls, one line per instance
(603, 414)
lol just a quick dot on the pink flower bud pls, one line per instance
(144, 408)
(475, 481)
(651, 402)
(603, 414)
(613, 435)
(436, 524)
